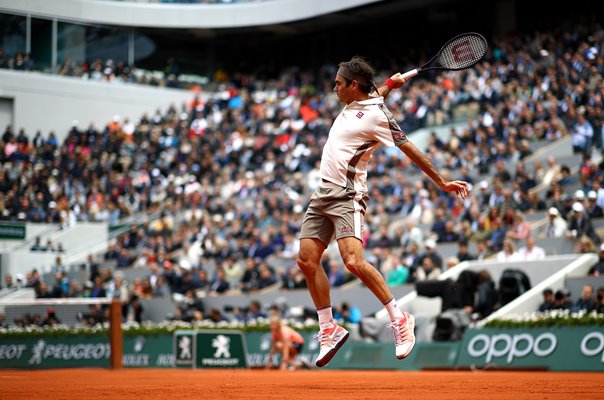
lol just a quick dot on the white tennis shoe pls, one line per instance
(404, 337)
(331, 340)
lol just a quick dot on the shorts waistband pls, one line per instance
(328, 184)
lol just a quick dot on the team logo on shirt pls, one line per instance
(360, 115)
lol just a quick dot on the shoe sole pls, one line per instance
(412, 346)
(323, 362)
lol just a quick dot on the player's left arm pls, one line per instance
(419, 159)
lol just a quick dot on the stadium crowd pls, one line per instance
(225, 180)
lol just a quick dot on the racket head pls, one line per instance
(461, 52)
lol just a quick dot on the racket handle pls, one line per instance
(410, 74)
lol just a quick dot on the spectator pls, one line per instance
(428, 270)
(266, 276)
(98, 290)
(398, 275)
(586, 301)
(581, 134)
(8, 282)
(463, 252)
(508, 253)
(600, 301)
(591, 207)
(548, 300)
(531, 251)
(561, 301)
(336, 274)
(219, 284)
(556, 226)
(348, 313)
(520, 230)
(598, 268)
(37, 246)
(580, 224)
(293, 279)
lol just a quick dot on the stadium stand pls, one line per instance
(207, 188)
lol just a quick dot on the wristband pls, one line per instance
(391, 84)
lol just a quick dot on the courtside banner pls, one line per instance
(220, 349)
(556, 349)
(153, 351)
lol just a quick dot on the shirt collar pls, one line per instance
(369, 101)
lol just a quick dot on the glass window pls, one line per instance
(12, 40)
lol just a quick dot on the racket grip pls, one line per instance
(410, 74)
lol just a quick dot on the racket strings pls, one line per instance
(462, 52)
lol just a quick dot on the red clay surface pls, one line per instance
(87, 384)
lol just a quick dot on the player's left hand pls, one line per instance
(459, 187)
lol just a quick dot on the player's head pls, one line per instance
(275, 322)
(353, 77)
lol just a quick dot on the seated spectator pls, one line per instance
(591, 207)
(398, 275)
(428, 270)
(600, 301)
(336, 274)
(51, 319)
(266, 276)
(98, 290)
(580, 224)
(219, 284)
(548, 300)
(37, 246)
(347, 313)
(448, 234)
(561, 301)
(249, 280)
(431, 252)
(598, 268)
(482, 250)
(8, 282)
(255, 311)
(508, 253)
(531, 251)
(556, 226)
(586, 301)
(520, 229)
(294, 279)
(463, 252)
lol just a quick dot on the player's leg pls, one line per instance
(331, 336)
(309, 261)
(349, 227)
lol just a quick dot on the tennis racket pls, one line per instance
(461, 52)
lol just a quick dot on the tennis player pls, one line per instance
(337, 207)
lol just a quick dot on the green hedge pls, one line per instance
(146, 329)
(549, 319)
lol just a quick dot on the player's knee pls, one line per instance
(306, 264)
(353, 265)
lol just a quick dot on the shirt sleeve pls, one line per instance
(388, 131)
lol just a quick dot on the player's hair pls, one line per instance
(358, 69)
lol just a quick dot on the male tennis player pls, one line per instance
(338, 206)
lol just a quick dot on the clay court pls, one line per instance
(259, 384)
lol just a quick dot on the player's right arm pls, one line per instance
(419, 159)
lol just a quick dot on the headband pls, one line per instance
(351, 76)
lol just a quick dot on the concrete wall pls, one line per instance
(180, 15)
(46, 102)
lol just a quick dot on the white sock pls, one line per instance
(393, 311)
(325, 318)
